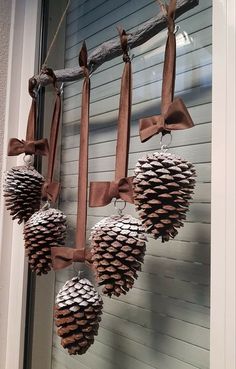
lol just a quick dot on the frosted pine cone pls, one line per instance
(118, 248)
(163, 186)
(78, 312)
(22, 190)
(44, 229)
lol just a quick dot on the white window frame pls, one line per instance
(22, 60)
(223, 221)
(13, 275)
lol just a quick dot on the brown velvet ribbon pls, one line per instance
(29, 145)
(108, 190)
(50, 190)
(174, 114)
(102, 193)
(65, 256)
(37, 147)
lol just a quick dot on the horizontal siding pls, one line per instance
(163, 322)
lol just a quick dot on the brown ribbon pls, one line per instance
(177, 117)
(102, 193)
(29, 145)
(37, 147)
(62, 257)
(50, 189)
(174, 114)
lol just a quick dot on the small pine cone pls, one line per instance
(44, 229)
(163, 186)
(118, 248)
(78, 312)
(22, 190)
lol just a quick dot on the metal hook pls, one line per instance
(46, 206)
(62, 87)
(91, 71)
(77, 270)
(177, 28)
(165, 146)
(37, 89)
(28, 160)
(131, 57)
(119, 210)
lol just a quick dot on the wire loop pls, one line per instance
(119, 210)
(78, 271)
(28, 160)
(165, 145)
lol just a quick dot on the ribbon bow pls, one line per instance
(102, 193)
(50, 191)
(62, 257)
(177, 117)
(38, 147)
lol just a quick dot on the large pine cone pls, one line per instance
(118, 248)
(163, 186)
(22, 190)
(44, 229)
(77, 314)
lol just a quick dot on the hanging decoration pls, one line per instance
(78, 306)
(118, 248)
(77, 314)
(47, 227)
(118, 242)
(44, 229)
(65, 256)
(22, 187)
(164, 182)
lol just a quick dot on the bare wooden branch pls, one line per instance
(111, 49)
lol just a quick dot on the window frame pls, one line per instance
(13, 270)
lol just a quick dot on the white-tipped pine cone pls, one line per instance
(118, 248)
(22, 190)
(44, 229)
(163, 185)
(78, 312)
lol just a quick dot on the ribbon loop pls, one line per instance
(174, 114)
(102, 193)
(124, 44)
(17, 147)
(65, 256)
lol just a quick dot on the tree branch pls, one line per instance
(111, 49)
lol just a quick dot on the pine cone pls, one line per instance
(118, 248)
(163, 186)
(22, 189)
(77, 314)
(44, 229)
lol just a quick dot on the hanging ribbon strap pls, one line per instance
(64, 256)
(102, 193)
(29, 145)
(50, 190)
(174, 114)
